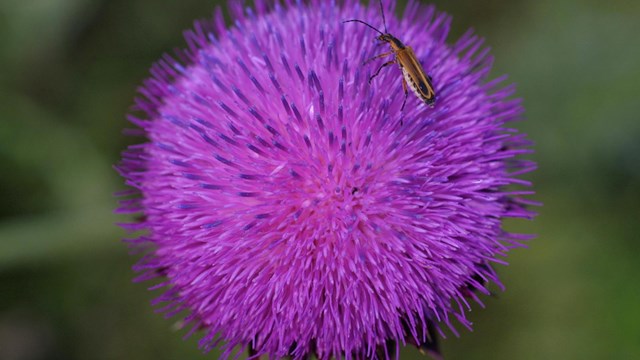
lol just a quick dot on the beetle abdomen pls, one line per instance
(418, 87)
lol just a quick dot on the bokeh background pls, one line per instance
(69, 70)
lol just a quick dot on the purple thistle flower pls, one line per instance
(292, 209)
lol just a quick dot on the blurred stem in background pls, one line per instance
(60, 202)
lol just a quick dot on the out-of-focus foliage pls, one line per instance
(69, 73)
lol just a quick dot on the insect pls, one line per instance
(414, 75)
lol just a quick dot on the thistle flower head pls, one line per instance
(292, 208)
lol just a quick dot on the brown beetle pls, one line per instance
(414, 75)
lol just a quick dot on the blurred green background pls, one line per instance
(69, 73)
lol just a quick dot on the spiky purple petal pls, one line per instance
(294, 209)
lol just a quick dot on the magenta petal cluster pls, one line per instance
(292, 208)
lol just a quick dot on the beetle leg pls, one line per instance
(406, 92)
(377, 57)
(380, 68)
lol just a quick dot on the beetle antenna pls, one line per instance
(362, 22)
(384, 21)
